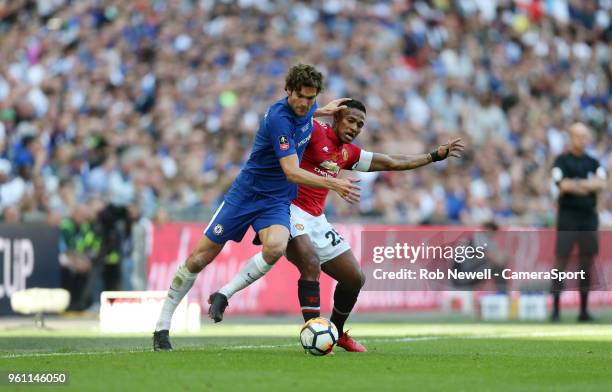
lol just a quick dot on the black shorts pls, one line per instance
(578, 229)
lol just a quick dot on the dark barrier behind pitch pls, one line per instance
(28, 258)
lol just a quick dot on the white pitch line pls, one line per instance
(376, 340)
(539, 334)
(242, 347)
(36, 355)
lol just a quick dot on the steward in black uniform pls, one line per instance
(579, 178)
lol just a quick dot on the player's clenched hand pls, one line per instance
(453, 148)
(347, 189)
(331, 108)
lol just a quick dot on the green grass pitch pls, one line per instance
(265, 357)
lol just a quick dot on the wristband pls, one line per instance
(435, 157)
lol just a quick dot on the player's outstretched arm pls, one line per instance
(346, 188)
(393, 162)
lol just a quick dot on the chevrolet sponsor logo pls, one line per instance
(331, 167)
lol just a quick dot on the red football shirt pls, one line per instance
(324, 156)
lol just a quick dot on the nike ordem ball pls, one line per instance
(318, 336)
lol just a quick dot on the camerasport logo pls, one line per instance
(283, 142)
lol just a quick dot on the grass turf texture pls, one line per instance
(422, 356)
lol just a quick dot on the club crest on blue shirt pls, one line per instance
(283, 142)
(218, 230)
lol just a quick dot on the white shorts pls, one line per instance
(326, 240)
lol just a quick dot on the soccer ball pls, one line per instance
(318, 336)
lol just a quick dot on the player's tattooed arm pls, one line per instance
(331, 108)
(398, 162)
(345, 187)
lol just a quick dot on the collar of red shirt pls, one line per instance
(331, 134)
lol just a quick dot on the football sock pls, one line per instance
(309, 297)
(253, 269)
(344, 300)
(181, 283)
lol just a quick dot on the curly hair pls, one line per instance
(303, 75)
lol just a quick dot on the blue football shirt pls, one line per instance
(281, 133)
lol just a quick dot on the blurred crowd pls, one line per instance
(152, 105)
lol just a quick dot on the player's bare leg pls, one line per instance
(346, 271)
(303, 255)
(274, 240)
(186, 274)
